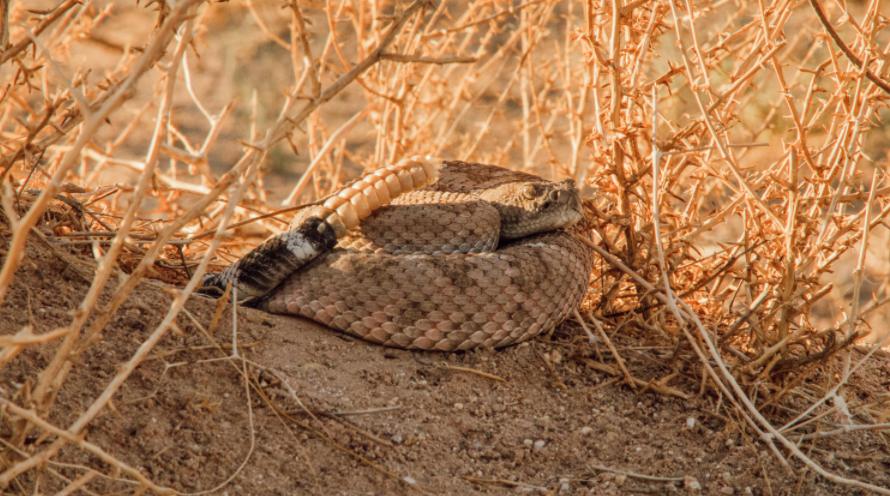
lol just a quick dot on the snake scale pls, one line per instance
(426, 255)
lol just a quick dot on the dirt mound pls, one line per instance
(329, 415)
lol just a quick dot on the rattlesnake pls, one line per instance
(477, 257)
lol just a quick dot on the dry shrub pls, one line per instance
(734, 154)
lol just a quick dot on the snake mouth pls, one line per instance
(542, 222)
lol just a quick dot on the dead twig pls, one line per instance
(844, 48)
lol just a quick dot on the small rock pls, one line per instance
(691, 484)
(564, 486)
(586, 430)
(409, 480)
(528, 442)
(690, 422)
(458, 406)
(539, 444)
(397, 439)
(728, 491)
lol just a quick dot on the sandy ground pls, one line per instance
(331, 415)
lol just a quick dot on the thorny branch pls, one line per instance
(844, 48)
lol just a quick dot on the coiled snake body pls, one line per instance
(477, 258)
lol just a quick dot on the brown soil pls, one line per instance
(388, 421)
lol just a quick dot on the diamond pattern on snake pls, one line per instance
(426, 255)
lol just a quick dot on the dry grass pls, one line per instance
(735, 154)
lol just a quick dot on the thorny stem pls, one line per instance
(844, 48)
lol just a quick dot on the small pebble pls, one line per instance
(690, 422)
(691, 484)
(539, 444)
(586, 430)
(528, 442)
(728, 491)
(458, 406)
(397, 439)
(409, 480)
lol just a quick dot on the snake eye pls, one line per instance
(554, 195)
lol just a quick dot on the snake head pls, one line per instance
(532, 207)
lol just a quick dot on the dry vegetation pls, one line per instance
(734, 153)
